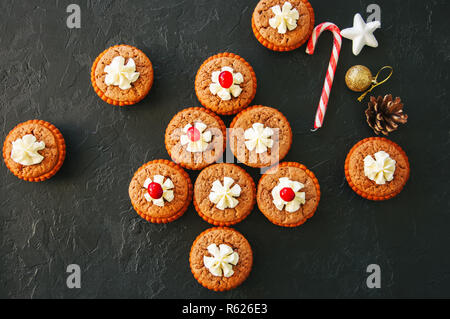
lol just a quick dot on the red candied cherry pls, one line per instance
(226, 79)
(287, 194)
(193, 134)
(155, 190)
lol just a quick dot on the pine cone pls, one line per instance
(384, 114)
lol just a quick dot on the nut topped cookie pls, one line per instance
(34, 150)
(260, 136)
(225, 83)
(283, 25)
(122, 75)
(288, 194)
(377, 168)
(221, 258)
(224, 194)
(160, 191)
(195, 138)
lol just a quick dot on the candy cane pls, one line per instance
(337, 42)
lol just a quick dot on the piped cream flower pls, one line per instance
(25, 150)
(225, 93)
(381, 169)
(222, 261)
(224, 195)
(297, 198)
(121, 75)
(258, 138)
(167, 190)
(195, 137)
(285, 18)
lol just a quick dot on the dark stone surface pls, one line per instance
(83, 215)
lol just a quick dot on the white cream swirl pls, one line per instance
(298, 200)
(224, 195)
(167, 190)
(285, 18)
(121, 75)
(258, 138)
(225, 93)
(25, 150)
(381, 169)
(222, 261)
(198, 140)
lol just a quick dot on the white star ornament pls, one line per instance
(361, 34)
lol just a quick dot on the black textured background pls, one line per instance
(83, 215)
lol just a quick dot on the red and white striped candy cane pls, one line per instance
(337, 42)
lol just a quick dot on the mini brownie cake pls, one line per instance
(221, 258)
(282, 25)
(160, 191)
(195, 138)
(377, 168)
(225, 84)
(260, 136)
(122, 75)
(224, 194)
(34, 151)
(288, 194)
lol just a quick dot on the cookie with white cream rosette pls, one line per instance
(221, 258)
(224, 194)
(122, 75)
(377, 168)
(225, 83)
(260, 136)
(288, 194)
(160, 191)
(34, 151)
(195, 138)
(283, 25)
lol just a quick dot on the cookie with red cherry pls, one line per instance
(195, 138)
(160, 191)
(225, 83)
(288, 194)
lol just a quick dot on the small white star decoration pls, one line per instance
(361, 34)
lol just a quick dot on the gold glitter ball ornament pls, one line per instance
(358, 78)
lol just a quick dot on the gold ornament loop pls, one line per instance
(375, 82)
